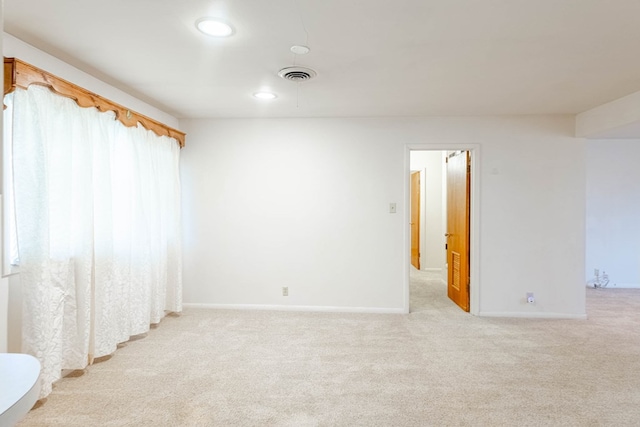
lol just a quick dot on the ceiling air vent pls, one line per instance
(297, 74)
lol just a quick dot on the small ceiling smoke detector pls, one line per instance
(300, 50)
(297, 74)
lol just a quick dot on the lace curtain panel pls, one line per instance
(97, 208)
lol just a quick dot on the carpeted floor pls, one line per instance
(437, 366)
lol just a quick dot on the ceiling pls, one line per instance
(373, 57)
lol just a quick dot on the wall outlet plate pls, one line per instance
(530, 298)
(285, 291)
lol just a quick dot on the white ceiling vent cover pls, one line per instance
(297, 74)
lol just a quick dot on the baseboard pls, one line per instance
(621, 286)
(533, 315)
(433, 270)
(308, 308)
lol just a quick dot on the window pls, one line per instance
(11, 257)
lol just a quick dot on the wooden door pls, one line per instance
(415, 219)
(458, 216)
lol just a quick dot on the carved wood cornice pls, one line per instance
(18, 73)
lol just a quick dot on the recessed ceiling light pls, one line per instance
(214, 27)
(300, 50)
(265, 95)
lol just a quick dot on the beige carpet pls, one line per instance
(436, 366)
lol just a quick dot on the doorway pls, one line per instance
(445, 254)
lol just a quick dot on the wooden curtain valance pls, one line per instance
(18, 73)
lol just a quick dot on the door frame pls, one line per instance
(474, 249)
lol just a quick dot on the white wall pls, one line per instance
(4, 290)
(619, 118)
(4, 283)
(304, 203)
(16, 48)
(432, 253)
(613, 211)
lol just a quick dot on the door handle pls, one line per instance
(448, 234)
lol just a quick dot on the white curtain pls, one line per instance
(97, 209)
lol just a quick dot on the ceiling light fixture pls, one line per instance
(265, 95)
(214, 27)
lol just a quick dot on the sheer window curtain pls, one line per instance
(97, 209)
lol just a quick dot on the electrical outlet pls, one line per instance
(285, 291)
(530, 298)
(392, 208)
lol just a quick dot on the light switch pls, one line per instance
(392, 208)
